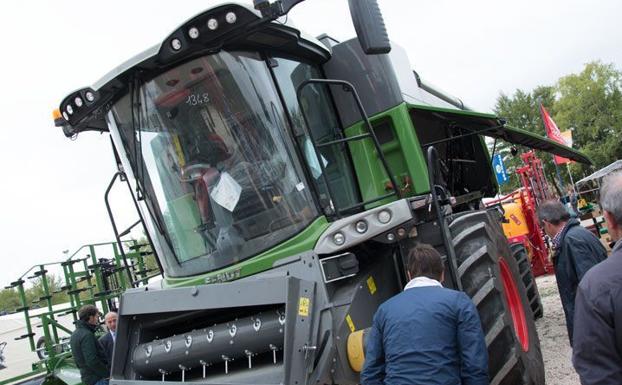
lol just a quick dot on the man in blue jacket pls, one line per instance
(427, 334)
(575, 251)
(597, 349)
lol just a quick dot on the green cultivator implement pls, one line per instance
(282, 180)
(85, 277)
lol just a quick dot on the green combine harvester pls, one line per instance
(282, 180)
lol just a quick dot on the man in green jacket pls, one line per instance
(87, 351)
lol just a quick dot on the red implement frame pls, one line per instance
(534, 190)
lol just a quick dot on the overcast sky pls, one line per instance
(51, 193)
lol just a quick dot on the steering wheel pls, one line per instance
(193, 172)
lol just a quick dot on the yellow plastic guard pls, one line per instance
(356, 353)
(517, 225)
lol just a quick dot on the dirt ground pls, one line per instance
(554, 337)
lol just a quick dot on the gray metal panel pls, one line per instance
(400, 213)
(370, 74)
(153, 51)
(214, 296)
(382, 81)
(411, 90)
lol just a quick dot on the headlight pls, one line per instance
(361, 227)
(339, 239)
(384, 216)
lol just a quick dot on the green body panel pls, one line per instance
(402, 152)
(67, 371)
(304, 241)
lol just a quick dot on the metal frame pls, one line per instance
(138, 303)
(134, 280)
(84, 280)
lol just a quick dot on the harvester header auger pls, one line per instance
(282, 181)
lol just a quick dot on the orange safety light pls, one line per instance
(58, 118)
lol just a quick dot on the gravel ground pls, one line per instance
(554, 337)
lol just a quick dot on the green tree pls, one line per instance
(522, 110)
(590, 104)
(9, 300)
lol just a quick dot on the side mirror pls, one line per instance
(369, 26)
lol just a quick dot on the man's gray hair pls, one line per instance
(553, 211)
(611, 195)
(111, 314)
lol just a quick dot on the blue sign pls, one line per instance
(500, 171)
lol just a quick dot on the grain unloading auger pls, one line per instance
(282, 180)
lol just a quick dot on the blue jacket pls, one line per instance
(597, 349)
(426, 335)
(579, 250)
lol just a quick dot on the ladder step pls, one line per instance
(40, 272)
(136, 247)
(23, 308)
(17, 283)
(79, 290)
(24, 336)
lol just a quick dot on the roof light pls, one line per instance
(176, 44)
(69, 109)
(231, 17)
(65, 116)
(89, 96)
(193, 32)
(212, 24)
(78, 101)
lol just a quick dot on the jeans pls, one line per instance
(103, 381)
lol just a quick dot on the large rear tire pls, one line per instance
(533, 295)
(489, 275)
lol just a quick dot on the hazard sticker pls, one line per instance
(350, 323)
(371, 285)
(303, 306)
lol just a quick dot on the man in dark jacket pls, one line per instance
(575, 251)
(87, 352)
(107, 340)
(427, 334)
(597, 351)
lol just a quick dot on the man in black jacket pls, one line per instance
(575, 251)
(87, 352)
(597, 352)
(108, 339)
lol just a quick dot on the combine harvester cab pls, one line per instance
(283, 180)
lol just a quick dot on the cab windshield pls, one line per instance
(208, 143)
